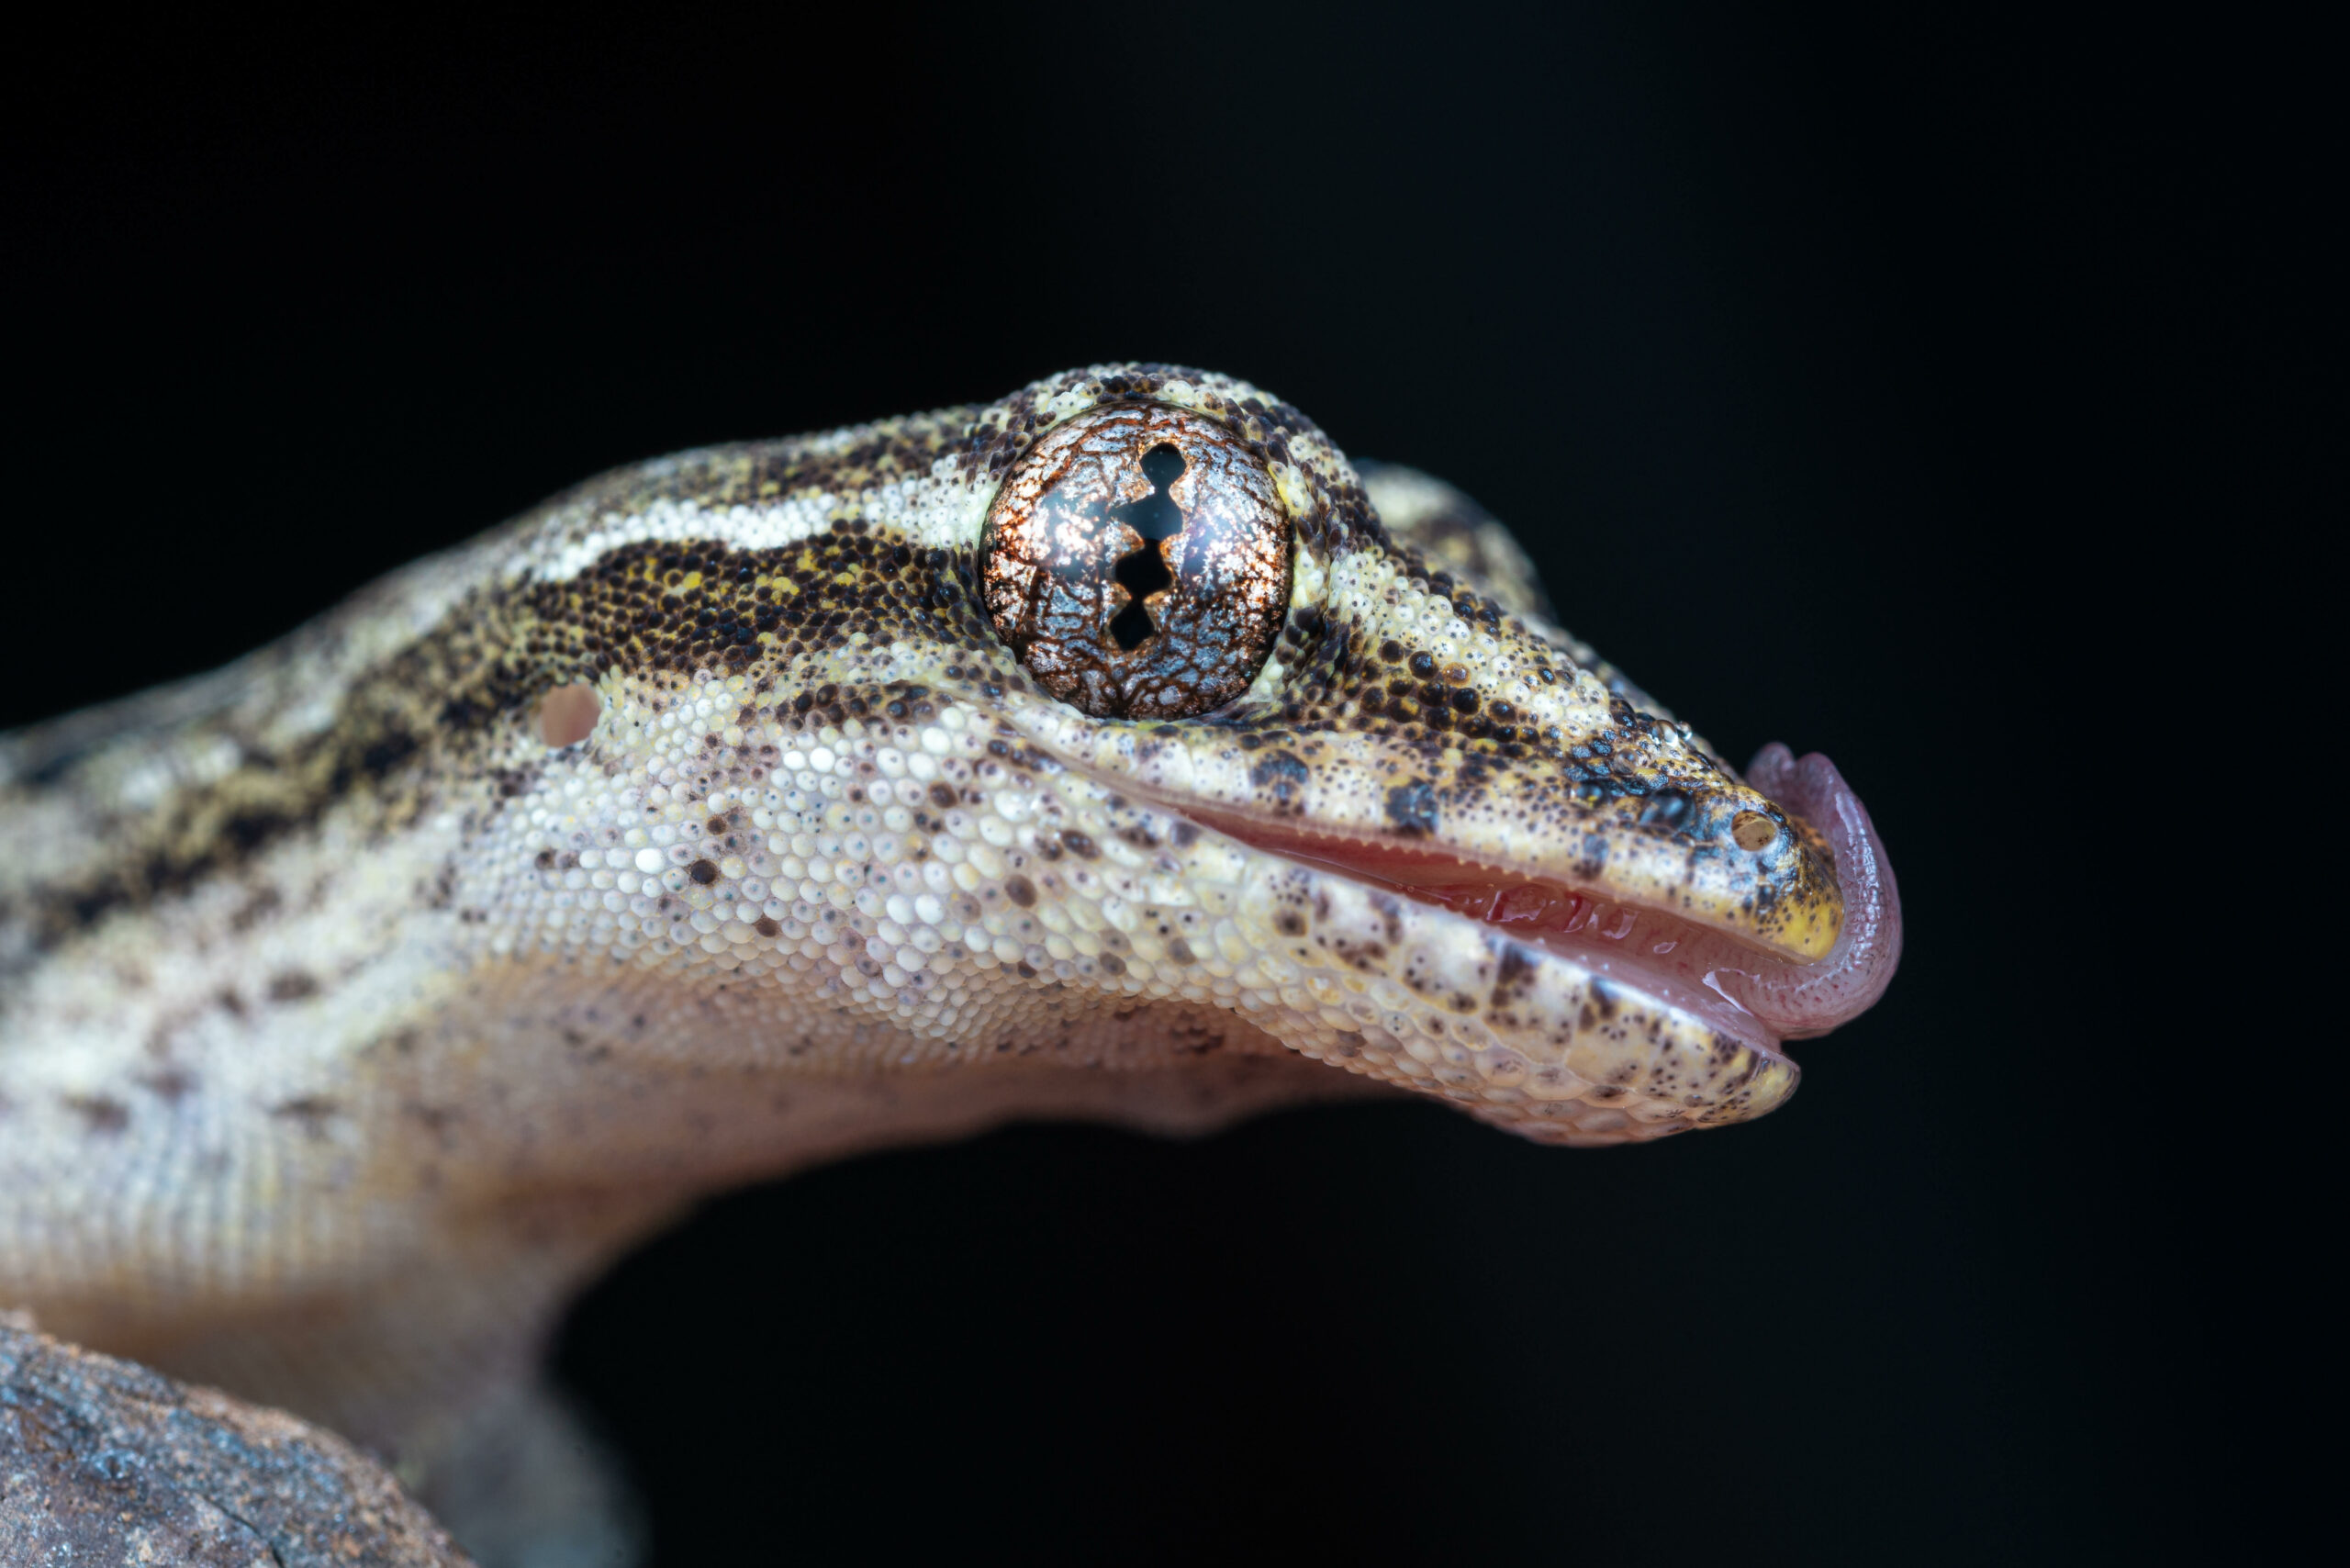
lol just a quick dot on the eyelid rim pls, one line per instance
(1313, 484)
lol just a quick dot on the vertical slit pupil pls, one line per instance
(1155, 517)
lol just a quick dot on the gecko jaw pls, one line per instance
(1747, 988)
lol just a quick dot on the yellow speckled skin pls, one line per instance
(345, 1027)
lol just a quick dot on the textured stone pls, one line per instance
(104, 1462)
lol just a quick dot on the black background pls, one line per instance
(1843, 375)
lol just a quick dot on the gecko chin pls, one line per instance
(1650, 961)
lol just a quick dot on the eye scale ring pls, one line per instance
(1137, 562)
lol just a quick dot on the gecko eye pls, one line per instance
(1138, 563)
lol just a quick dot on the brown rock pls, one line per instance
(103, 1462)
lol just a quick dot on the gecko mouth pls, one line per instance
(1742, 987)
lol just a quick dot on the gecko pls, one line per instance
(1116, 750)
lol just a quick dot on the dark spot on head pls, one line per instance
(1665, 809)
(313, 1111)
(1277, 768)
(1289, 921)
(292, 985)
(170, 1084)
(1412, 807)
(104, 1113)
(258, 905)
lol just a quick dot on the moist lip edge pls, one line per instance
(1680, 962)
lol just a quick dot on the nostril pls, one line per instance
(567, 714)
(1753, 830)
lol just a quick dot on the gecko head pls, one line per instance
(1307, 679)
(1353, 709)
(1132, 688)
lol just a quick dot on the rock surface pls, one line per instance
(103, 1462)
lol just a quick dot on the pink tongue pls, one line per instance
(1813, 999)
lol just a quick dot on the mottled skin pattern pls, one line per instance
(346, 1028)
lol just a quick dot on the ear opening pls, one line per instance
(567, 715)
